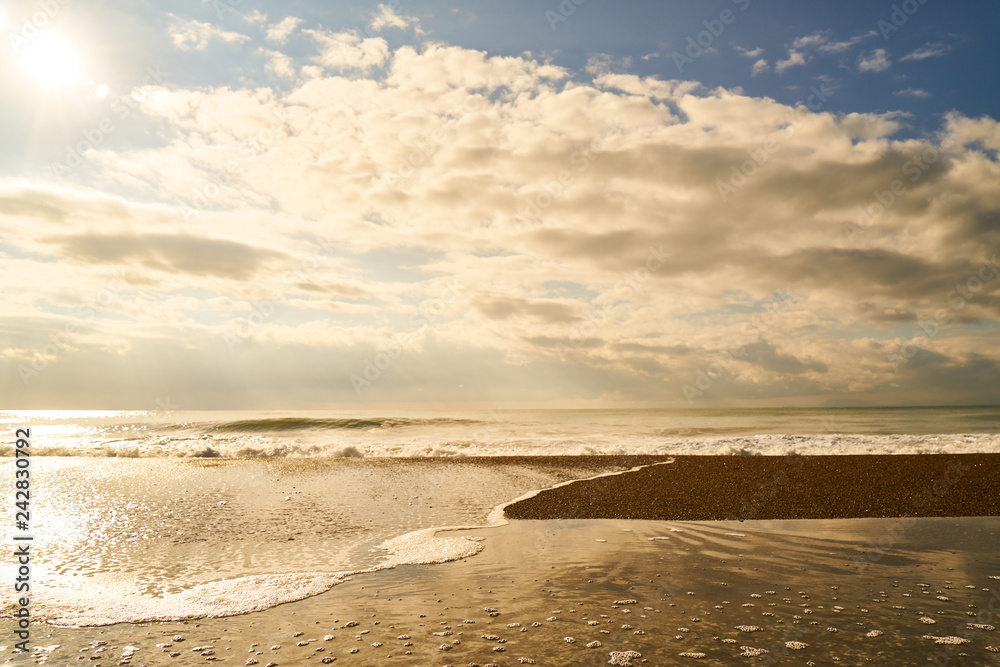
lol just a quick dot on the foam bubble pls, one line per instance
(425, 547)
(980, 626)
(228, 597)
(623, 658)
(947, 640)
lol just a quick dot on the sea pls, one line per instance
(504, 432)
(166, 516)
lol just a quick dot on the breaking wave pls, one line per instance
(280, 424)
(227, 435)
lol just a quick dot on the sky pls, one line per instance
(233, 204)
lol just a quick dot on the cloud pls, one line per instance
(759, 67)
(794, 59)
(256, 17)
(279, 32)
(823, 42)
(280, 64)
(749, 53)
(818, 42)
(767, 356)
(603, 63)
(526, 232)
(917, 93)
(348, 50)
(442, 68)
(827, 45)
(876, 61)
(503, 308)
(929, 50)
(386, 17)
(191, 35)
(809, 41)
(963, 131)
(182, 253)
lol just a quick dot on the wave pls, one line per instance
(436, 445)
(88, 606)
(280, 424)
(76, 604)
(700, 431)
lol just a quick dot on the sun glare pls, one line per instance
(51, 60)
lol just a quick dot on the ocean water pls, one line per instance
(157, 539)
(146, 516)
(498, 432)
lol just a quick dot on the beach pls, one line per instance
(708, 488)
(630, 570)
(579, 592)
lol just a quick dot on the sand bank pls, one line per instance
(704, 488)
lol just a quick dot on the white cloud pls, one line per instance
(441, 68)
(603, 63)
(809, 41)
(839, 47)
(749, 53)
(913, 92)
(279, 32)
(818, 42)
(256, 17)
(759, 67)
(964, 131)
(191, 35)
(386, 17)
(794, 59)
(311, 71)
(348, 50)
(823, 42)
(510, 176)
(930, 50)
(876, 61)
(279, 63)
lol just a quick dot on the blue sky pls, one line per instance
(242, 204)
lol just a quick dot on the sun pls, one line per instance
(51, 60)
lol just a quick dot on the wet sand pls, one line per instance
(706, 488)
(144, 539)
(589, 591)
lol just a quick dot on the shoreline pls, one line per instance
(217, 533)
